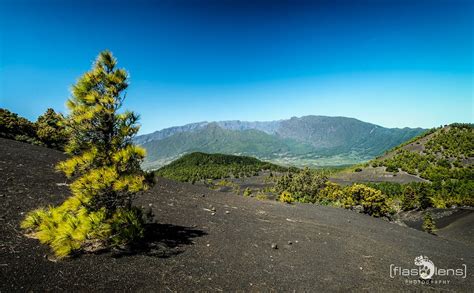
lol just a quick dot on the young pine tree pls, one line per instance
(50, 129)
(409, 201)
(105, 166)
(429, 224)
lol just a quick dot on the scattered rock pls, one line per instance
(289, 242)
(227, 212)
(274, 246)
(212, 214)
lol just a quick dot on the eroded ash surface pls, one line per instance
(319, 248)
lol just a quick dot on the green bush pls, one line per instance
(303, 185)
(247, 191)
(392, 169)
(286, 197)
(372, 200)
(429, 224)
(261, 196)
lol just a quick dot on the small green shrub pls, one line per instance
(372, 200)
(261, 196)
(392, 169)
(331, 193)
(247, 191)
(286, 197)
(429, 224)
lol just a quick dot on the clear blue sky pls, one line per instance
(394, 63)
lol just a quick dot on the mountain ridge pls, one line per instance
(309, 140)
(233, 125)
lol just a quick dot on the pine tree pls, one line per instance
(50, 129)
(429, 224)
(104, 163)
(16, 127)
(409, 201)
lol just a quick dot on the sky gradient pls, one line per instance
(393, 63)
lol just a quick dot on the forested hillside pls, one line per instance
(199, 166)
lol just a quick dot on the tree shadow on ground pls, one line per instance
(161, 240)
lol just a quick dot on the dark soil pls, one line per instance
(189, 248)
(455, 223)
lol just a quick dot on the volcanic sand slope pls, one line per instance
(191, 249)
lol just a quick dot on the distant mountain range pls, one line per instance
(305, 141)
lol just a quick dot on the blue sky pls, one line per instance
(393, 63)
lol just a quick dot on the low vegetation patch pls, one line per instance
(312, 186)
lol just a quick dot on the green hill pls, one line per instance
(434, 169)
(441, 154)
(199, 166)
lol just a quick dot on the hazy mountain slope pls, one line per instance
(270, 127)
(309, 140)
(164, 133)
(214, 139)
(341, 134)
